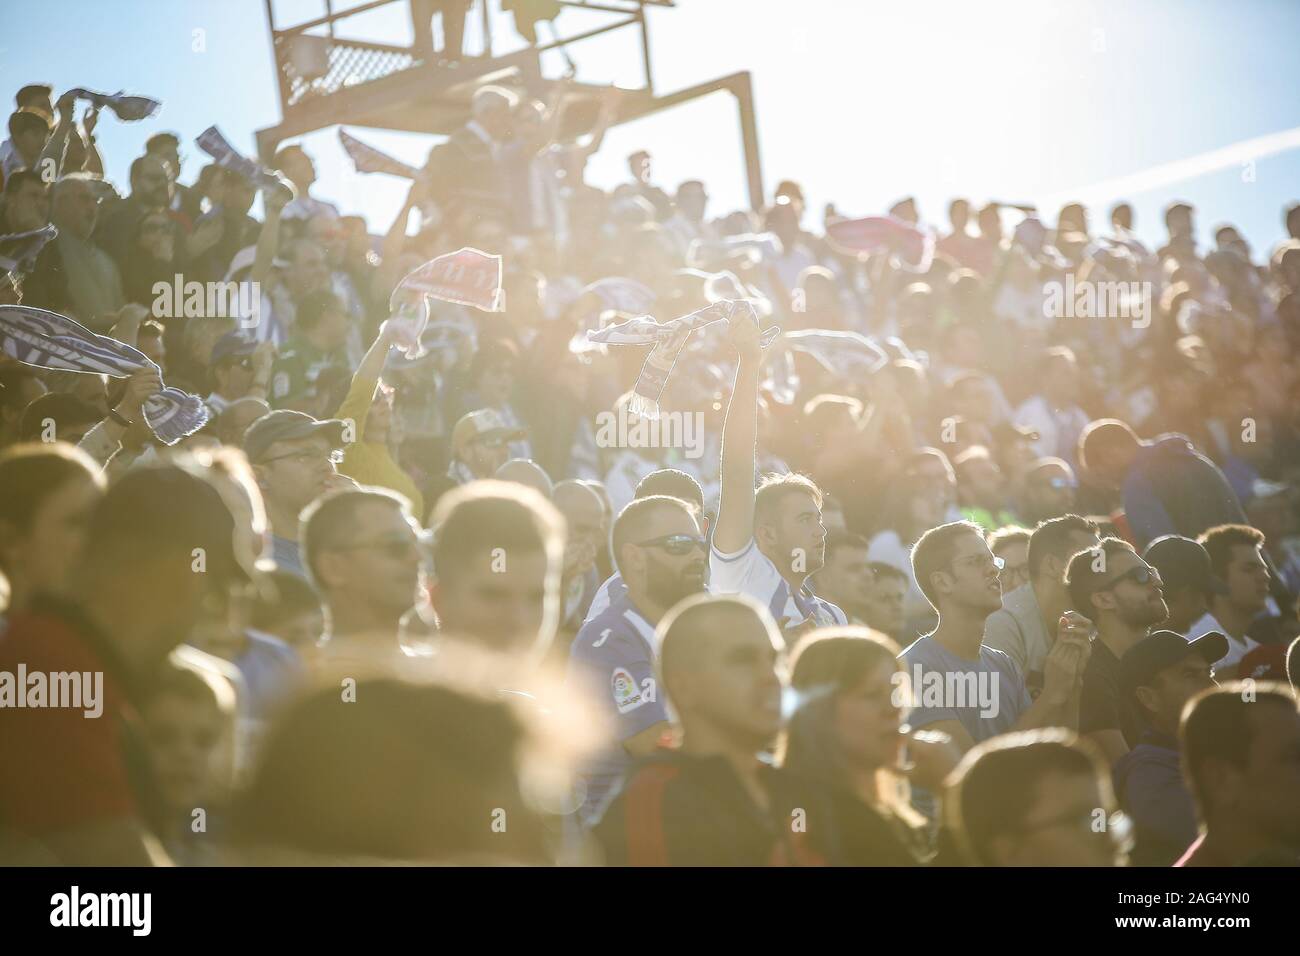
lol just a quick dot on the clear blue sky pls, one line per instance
(862, 102)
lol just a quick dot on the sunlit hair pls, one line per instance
(32, 472)
(995, 786)
(329, 522)
(1220, 541)
(1083, 580)
(1006, 536)
(420, 770)
(674, 483)
(935, 551)
(773, 489)
(1051, 539)
(826, 664)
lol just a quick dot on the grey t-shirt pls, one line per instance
(986, 696)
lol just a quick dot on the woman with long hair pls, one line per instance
(847, 736)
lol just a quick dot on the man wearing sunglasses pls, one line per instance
(767, 542)
(479, 446)
(660, 551)
(664, 481)
(240, 369)
(295, 458)
(1048, 490)
(1124, 597)
(362, 551)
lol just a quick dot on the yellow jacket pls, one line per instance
(370, 462)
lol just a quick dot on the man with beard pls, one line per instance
(767, 542)
(714, 801)
(664, 481)
(659, 549)
(362, 551)
(963, 687)
(1124, 597)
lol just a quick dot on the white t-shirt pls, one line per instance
(1237, 649)
(749, 571)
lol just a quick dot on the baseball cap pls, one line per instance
(232, 345)
(485, 422)
(284, 424)
(1161, 649)
(1183, 562)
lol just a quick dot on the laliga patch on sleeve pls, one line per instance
(627, 696)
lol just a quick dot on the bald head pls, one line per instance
(523, 471)
(721, 665)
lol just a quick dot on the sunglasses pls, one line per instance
(1059, 483)
(676, 544)
(1142, 575)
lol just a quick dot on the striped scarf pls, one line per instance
(668, 340)
(52, 341)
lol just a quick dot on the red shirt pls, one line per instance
(58, 767)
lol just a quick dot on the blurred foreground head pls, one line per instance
(497, 556)
(436, 766)
(1035, 798)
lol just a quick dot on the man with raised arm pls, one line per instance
(767, 541)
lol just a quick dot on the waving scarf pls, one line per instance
(49, 340)
(668, 340)
(367, 159)
(129, 109)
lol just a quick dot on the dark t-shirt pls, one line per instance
(679, 810)
(1101, 703)
(867, 838)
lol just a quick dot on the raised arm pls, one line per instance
(390, 251)
(608, 111)
(56, 147)
(268, 240)
(94, 162)
(739, 437)
(361, 393)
